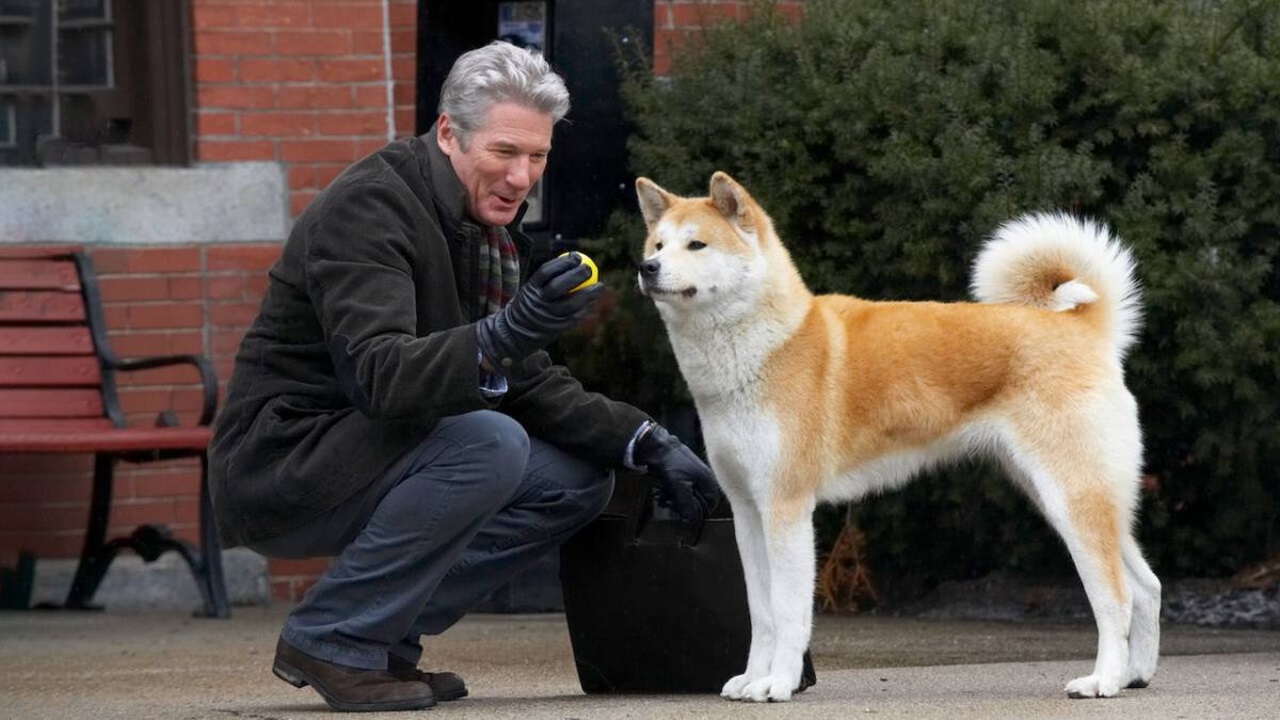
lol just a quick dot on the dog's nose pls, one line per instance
(650, 267)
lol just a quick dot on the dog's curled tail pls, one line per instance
(1064, 264)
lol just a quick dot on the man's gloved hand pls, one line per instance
(685, 483)
(540, 312)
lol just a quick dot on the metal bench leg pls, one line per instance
(97, 554)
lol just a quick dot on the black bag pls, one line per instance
(653, 604)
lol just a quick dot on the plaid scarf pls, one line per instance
(499, 270)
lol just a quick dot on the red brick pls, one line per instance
(281, 567)
(226, 287)
(129, 288)
(405, 120)
(404, 41)
(404, 13)
(299, 200)
(350, 16)
(235, 97)
(346, 71)
(121, 260)
(212, 123)
(404, 68)
(43, 464)
(17, 489)
(368, 42)
(152, 343)
(161, 316)
(301, 176)
(225, 341)
(317, 151)
(206, 16)
(46, 545)
(26, 517)
(273, 15)
(317, 43)
(214, 70)
(165, 376)
(234, 314)
(324, 174)
(129, 514)
(168, 484)
(404, 94)
(370, 96)
(353, 123)
(234, 42)
(314, 97)
(278, 125)
(256, 257)
(275, 70)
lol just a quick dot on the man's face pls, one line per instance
(503, 162)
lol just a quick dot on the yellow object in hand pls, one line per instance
(595, 272)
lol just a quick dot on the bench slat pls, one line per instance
(37, 371)
(45, 341)
(38, 436)
(40, 306)
(38, 275)
(69, 403)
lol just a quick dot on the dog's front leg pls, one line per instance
(749, 531)
(789, 543)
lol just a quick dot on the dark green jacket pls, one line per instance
(364, 340)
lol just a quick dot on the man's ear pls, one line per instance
(444, 134)
(654, 201)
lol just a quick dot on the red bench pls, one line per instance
(58, 395)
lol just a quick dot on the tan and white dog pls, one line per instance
(806, 398)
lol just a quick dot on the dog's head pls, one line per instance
(703, 252)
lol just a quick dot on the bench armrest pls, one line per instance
(208, 378)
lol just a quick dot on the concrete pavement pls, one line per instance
(60, 664)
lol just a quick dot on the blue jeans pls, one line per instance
(453, 520)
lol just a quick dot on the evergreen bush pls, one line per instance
(888, 138)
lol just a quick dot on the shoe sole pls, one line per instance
(300, 679)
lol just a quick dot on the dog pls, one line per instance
(806, 398)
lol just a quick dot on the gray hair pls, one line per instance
(499, 72)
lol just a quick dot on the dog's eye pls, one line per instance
(697, 245)
(657, 246)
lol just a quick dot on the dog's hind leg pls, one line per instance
(748, 527)
(1144, 630)
(1080, 502)
(789, 542)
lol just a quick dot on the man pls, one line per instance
(392, 404)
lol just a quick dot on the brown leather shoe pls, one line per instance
(349, 689)
(445, 685)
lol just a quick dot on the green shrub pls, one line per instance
(887, 138)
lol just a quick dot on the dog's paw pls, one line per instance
(1093, 686)
(733, 689)
(769, 689)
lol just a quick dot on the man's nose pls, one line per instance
(520, 174)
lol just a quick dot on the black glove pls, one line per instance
(540, 312)
(685, 483)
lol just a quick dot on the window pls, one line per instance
(90, 82)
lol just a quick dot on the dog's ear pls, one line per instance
(654, 201)
(732, 200)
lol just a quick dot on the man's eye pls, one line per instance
(538, 158)
(697, 245)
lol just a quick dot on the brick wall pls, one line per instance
(677, 22)
(301, 82)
